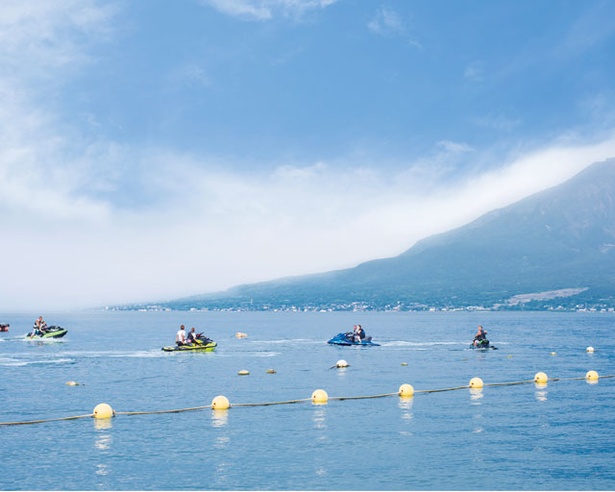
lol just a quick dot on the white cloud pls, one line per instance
(242, 8)
(455, 147)
(39, 34)
(215, 229)
(36, 38)
(498, 122)
(386, 22)
(262, 10)
(475, 71)
(191, 74)
(588, 31)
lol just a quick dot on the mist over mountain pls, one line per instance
(554, 249)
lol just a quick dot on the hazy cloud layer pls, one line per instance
(89, 218)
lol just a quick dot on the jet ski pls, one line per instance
(482, 344)
(50, 332)
(348, 339)
(201, 344)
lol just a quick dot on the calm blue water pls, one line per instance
(504, 438)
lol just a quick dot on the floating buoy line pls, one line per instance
(319, 397)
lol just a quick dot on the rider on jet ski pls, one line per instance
(192, 336)
(40, 327)
(481, 335)
(358, 333)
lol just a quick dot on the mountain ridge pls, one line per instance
(561, 239)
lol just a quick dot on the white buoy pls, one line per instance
(341, 363)
(590, 350)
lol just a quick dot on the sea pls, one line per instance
(511, 434)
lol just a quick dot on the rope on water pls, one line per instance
(289, 402)
(42, 421)
(268, 404)
(455, 388)
(342, 398)
(154, 412)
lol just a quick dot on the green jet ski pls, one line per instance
(49, 332)
(201, 344)
(482, 344)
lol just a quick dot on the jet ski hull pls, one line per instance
(483, 344)
(51, 332)
(347, 340)
(202, 347)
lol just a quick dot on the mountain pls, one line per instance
(554, 249)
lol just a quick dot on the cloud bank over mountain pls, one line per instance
(132, 169)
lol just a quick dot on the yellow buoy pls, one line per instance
(320, 397)
(476, 383)
(103, 411)
(220, 402)
(72, 383)
(541, 378)
(553, 353)
(406, 391)
(404, 364)
(591, 376)
(341, 363)
(590, 350)
(243, 372)
(270, 371)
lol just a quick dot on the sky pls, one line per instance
(151, 150)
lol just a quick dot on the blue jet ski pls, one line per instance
(347, 339)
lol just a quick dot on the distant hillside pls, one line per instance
(553, 249)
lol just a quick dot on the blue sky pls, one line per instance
(158, 149)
